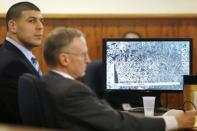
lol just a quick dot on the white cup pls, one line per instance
(149, 105)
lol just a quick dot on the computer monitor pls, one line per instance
(137, 67)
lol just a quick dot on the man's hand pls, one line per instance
(186, 119)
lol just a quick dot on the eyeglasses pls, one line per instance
(83, 54)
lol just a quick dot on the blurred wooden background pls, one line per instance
(97, 27)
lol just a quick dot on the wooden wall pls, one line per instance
(97, 28)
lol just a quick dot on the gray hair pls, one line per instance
(57, 40)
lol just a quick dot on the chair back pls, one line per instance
(34, 105)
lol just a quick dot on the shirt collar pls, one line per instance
(63, 74)
(28, 54)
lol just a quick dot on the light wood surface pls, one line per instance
(6, 127)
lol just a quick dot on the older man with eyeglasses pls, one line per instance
(75, 105)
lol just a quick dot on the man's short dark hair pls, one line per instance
(14, 12)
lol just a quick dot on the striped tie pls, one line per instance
(36, 65)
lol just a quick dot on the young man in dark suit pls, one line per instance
(76, 106)
(24, 32)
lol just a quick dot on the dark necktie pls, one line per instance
(36, 65)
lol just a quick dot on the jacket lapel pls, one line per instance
(20, 56)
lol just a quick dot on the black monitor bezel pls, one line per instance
(144, 39)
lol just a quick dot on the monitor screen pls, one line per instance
(146, 64)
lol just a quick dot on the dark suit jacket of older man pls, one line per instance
(13, 64)
(76, 107)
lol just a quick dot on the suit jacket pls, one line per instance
(13, 64)
(77, 107)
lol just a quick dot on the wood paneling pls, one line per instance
(98, 28)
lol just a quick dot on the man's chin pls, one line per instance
(36, 44)
(83, 74)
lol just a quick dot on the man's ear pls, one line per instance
(12, 27)
(63, 59)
